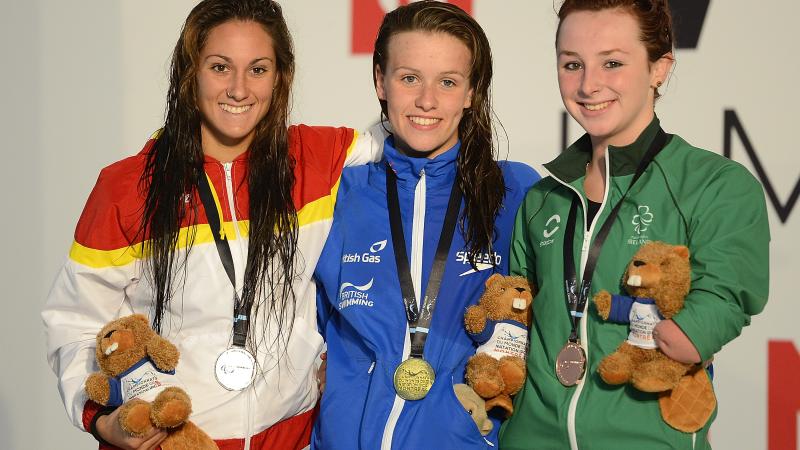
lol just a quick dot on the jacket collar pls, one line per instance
(571, 164)
(440, 170)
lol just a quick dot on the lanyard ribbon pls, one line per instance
(419, 319)
(240, 312)
(576, 301)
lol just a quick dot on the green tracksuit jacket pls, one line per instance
(686, 196)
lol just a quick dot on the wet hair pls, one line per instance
(175, 164)
(654, 17)
(479, 176)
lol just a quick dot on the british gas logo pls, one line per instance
(369, 257)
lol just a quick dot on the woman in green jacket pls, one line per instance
(613, 55)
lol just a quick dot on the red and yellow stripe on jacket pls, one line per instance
(103, 279)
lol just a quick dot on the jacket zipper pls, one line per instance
(587, 237)
(228, 166)
(417, 240)
(248, 393)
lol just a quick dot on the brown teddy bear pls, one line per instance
(658, 279)
(499, 325)
(138, 375)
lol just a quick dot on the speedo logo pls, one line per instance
(483, 261)
(352, 295)
(370, 257)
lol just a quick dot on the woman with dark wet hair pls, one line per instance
(212, 231)
(414, 240)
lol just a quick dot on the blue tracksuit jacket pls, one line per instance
(361, 312)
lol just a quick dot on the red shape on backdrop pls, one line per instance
(367, 16)
(783, 395)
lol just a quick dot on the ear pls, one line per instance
(468, 100)
(163, 353)
(682, 251)
(659, 70)
(380, 87)
(493, 278)
(141, 318)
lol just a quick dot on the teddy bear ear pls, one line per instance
(140, 318)
(682, 251)
(493, 278)
(163, 353)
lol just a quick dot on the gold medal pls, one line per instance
(571, 364)
(413, 379)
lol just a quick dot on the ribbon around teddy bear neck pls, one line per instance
(419, 318)
(576, 301)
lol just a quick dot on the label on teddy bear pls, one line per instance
(643, 317)
(144, 381)
(508, 339)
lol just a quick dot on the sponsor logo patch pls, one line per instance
(369, 257)
(352, 295)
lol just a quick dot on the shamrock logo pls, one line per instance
(642, 220)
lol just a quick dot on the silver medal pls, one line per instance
(235, 369)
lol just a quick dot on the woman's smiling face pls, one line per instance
(605, 77)
(426, 87)
(235, 79)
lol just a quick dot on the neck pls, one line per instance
(405, 149)
(627, 137)
(595, 182)
(223, 151)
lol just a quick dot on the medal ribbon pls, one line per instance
(419, 319)
(576, 301)
(240, 312)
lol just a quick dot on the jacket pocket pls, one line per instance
(342, 405)
(440, 421)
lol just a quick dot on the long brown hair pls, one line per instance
(479, 176)
(175, 164)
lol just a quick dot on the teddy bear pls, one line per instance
(499, 324)
(137, 374)
(475, 406)
(657, 279)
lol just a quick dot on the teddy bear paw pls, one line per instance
(488, 388)
(503, 403)
(134, 417)
(171, 408)
(658, 376)
(651, 384)
(512, 370)
(602, 302)
(615, 369)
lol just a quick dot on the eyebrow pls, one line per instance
(613, 50)
(251, 62)
(412, 69)
(603, 53)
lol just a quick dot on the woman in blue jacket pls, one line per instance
(390, 309)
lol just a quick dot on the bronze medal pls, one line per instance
(413, 379)
(570, 364)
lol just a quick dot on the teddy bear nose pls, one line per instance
(638, 263)
(519, 289)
